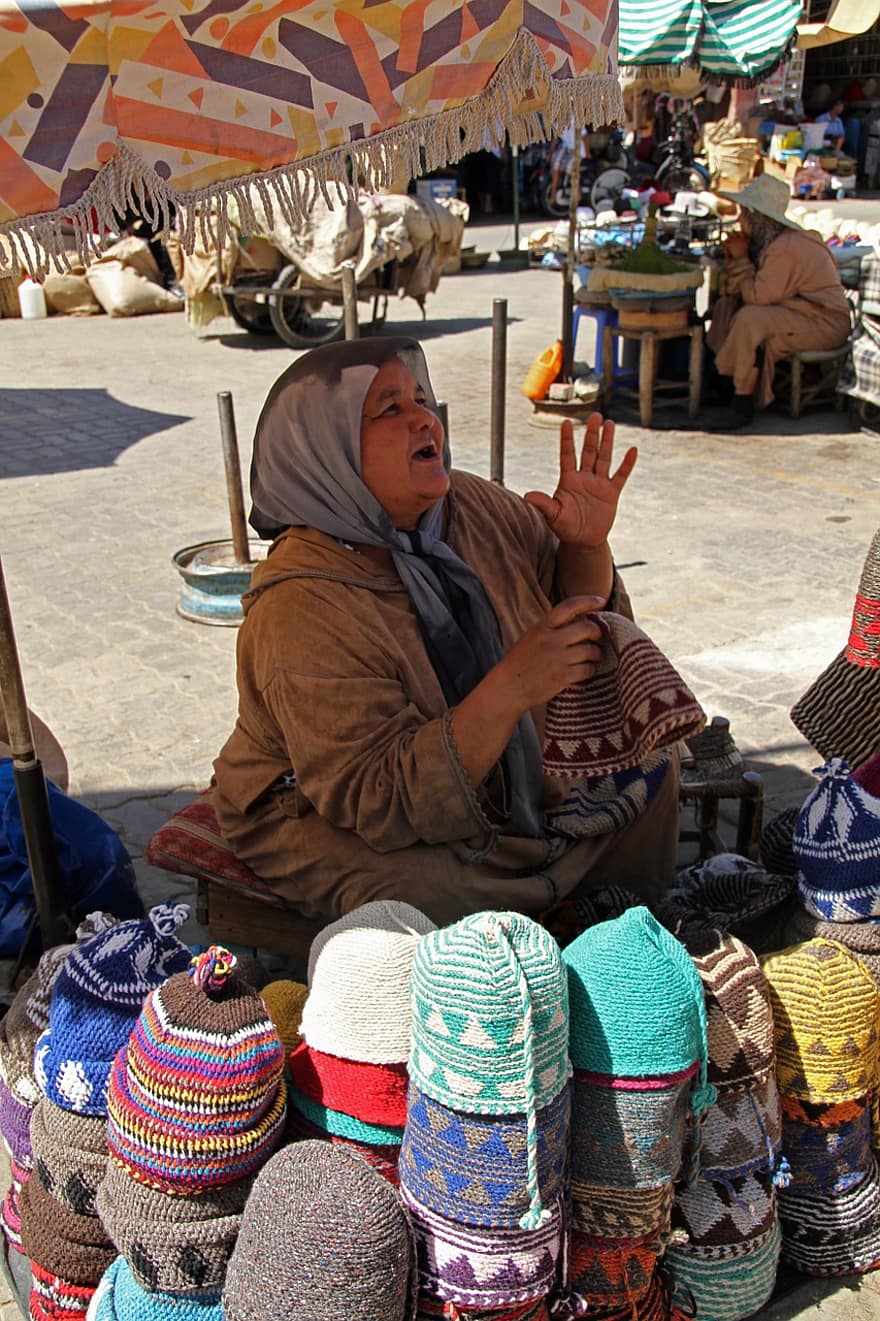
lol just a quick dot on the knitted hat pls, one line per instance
(474, 1168)
(336, 1123)
(637, 1003)
(63, 1242)
(175, 1247)
(634, 704)
(729, 893)
(738, 1210)
(10, 1215)
(28, 1014)
(285, 1000)
(382, 1157)
(15, 1127)
(829, 1234)
(742, 1131)
(860, 938)
(373, 1092)
(95, 1000)
(839, 714)
(739, 1019)
(197, 1097)
(837, 846)
(70, 1153)
(56, 1299)
(119, 1297)
(630, 1137)
(825, 1010)
(725, 1284)
(490, 1022)
(610, 1275)
(434, 1309)
(490, 1268)
(828, 1147)
(323, 1237)
(777, 854)
(639, 1214)
(359, 975)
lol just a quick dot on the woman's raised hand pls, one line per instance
(583, 507)
(736, 246)
(562, 649)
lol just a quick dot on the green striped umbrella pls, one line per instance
(725, 38)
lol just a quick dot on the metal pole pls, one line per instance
(499, 389)
(568, 273)
(515, 151)
(240, 547)
(349, 302)
(30, 786)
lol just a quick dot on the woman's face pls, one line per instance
(401, 446)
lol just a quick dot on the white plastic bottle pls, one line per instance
(31, 300)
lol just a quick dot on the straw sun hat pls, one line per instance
(767, 196)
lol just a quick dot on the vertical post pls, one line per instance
(30, 787)
(349, 302)
(499, 389)
(515, 168)
(240, 547)
(571, 257)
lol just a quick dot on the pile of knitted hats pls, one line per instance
(727, 1266)
(731, 894)
(196, 1105)
(20, 1030)
(348, 1075)
(836, 844)
(638, 1046)
(826, 1008)
(485, 1146)
(95, 1000)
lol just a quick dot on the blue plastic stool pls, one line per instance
(603, 316)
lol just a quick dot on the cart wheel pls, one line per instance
(305, 322)
(244, 308)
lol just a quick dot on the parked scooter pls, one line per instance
(604, 174)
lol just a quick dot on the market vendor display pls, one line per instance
(784, 295)
(400, 646)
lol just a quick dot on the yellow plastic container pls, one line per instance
(543, 372)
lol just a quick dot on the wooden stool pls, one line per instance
(712, 769)
(810, 386)
(648, 383)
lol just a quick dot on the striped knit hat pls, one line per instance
(119, 1297)
(15, 1127)
(837, 846)
(70, 1153)
(860, 938)
(323, 1237)
(608, 1275)
(825, 1011)
(739, 1019)
(732, 894)
(359, 975)
(637, 1214)
(55, 1299)
(637, 1004)
(742, 1131)
(197, 1097)
(729, 1213)
(630, 1137)
(828, 1234)
(828, 1147)
(375, 1093)
(725, 1284)
(776, 851)
(179, 1247)
(96, 999)
(490, 1023)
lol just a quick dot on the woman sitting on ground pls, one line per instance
(784, 295)
(399, 645)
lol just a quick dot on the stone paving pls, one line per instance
(742, 554)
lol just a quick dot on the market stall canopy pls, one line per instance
(739, 40)
(847, 18)
(186, 103)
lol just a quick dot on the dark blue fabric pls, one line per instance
(95, 867)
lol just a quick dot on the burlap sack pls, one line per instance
(121, 291)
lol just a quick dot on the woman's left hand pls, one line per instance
(583, 507)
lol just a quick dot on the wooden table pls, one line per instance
(649, 385)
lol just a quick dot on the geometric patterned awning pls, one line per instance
(187, 101)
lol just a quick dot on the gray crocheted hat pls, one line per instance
(323, 1236)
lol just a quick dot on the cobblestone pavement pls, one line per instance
(742, 553)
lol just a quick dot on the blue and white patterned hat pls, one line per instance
(837, 847)
(96, 1001)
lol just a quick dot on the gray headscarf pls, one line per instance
(306, 472)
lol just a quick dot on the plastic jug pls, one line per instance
(31, 300)
(543, 372)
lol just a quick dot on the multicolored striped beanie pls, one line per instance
(725, 1284)
(860, 938)
(837, 846)
(96, 999)
(490, 1023)
(56, 1299)
(180, 1246)
(15, 1127)
(637, 1004)
(325, 1237)
(74, 1247)
(828, 1234)
(828, 1147)
(732, 894)
(70, 1154)
(359, 974)
(375, 1093)
(825, 1011)
(474, 1168)
(197, 1096)
(284, 1000)
(119, 1297)
(477, 1267)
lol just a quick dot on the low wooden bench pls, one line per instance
(812, 377)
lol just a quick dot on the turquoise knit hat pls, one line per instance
(637, 1003)
(490, 1022)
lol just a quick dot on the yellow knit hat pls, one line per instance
(285, 1000)
(825, 1013)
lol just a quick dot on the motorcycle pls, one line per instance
(675, 166)
(603, 175)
